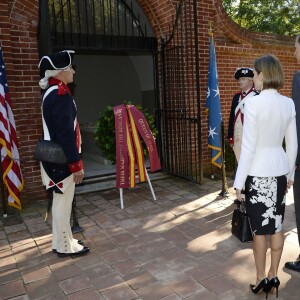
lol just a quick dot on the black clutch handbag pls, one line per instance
(51, 152)
(240, 225)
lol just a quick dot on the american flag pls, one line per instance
(214, 108)
(10, 160)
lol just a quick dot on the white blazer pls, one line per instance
(268, 118)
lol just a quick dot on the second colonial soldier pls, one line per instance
(235, 128)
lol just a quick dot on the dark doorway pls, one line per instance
(114, 60)
(117, 30)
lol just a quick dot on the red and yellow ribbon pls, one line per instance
(129, 123)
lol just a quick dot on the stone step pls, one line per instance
(94, 183)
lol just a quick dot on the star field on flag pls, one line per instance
(214, 108)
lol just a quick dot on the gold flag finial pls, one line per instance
(210, 31)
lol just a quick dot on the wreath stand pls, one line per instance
(150, 186)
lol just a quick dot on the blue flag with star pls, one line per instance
(213, 107)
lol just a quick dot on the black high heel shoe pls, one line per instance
(260, 286)
(272, 284)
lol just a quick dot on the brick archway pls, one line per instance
(19, 25)
(159, 14)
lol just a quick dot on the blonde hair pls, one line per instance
(273, 75)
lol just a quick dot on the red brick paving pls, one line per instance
(178, 247)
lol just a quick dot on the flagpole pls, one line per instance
(4, 207)
(224, 193)
(212, 175)
(76, 227)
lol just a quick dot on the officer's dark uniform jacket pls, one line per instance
(234, 104)
(59, 113)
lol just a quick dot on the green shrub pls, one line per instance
(105, 131)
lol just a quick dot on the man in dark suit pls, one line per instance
(295, 265)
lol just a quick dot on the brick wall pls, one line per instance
(18, 38)
(234, 46)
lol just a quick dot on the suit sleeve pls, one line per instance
(296, 98)
(291, 144)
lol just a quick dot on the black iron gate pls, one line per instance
(178, 105)
(113, 25)
(94, 26)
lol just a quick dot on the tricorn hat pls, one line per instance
(243, 72)
(56, 61)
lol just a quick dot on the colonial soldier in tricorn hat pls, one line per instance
(60, 125)
(235, 128)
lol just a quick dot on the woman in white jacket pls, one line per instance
(265, 170)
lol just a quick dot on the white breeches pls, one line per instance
(62, 239)
(238, 133)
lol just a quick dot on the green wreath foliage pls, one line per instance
(105, 131)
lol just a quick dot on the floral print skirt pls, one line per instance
(265, 203)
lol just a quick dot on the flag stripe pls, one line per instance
(10, 160)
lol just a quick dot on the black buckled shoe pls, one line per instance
(293, 265)
(84, 251)
(80, 242)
